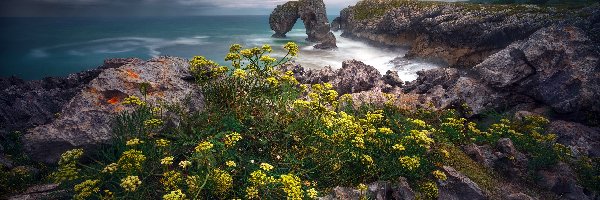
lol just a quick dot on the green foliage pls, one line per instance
(264, 135)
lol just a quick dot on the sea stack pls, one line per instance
(314, 16)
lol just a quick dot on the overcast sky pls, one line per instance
(149, 7)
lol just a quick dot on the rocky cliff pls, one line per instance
(461, 34)
(314, 16)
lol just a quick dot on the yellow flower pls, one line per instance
(241, 74)
(86, 189)
(266, 166)
(235, 48)
(232, 56)
(204, 146)
(362, 187)
(162, 143)
(272, 81)
(230, 164)
(131, 160)
(112, 167)
(367, 160)
(258, 177)
(67, 166)
(153, 122)
(439, 175)
(223, 181)
(171, 180)
(130, 183)
(386, 131)
(398, 147)
(193, 183)
(133, 100)
(410, 163)
(167, 160)
(292, 186)
(312, 193)
(133, 142)
(246, 53)
(292, 48)
(267, 59)
(251, 192)
(185, 164)
(231, 139)
(267, 48)
(175, 195)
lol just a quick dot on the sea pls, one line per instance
(32, 48)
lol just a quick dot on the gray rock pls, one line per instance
(519, 196)
(403, 190)
(558, 66)
(458, 186)
(85, 121)
(581, 139)
(38, 192)
(392, 78)
(355, 76)
(561, 180)
(314, 16)
(481, 154)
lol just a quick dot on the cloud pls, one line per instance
(147, 7)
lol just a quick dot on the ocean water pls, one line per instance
(33, 48)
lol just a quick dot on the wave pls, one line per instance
(118, 45)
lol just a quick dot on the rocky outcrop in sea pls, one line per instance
(314, 16)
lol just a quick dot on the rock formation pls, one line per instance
(314, 16)
(85, 121)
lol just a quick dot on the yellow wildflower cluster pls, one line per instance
(292, 48)
(133, 100)
(421, 138)
(439, 175)
(259, 178)
(312, 193)
(162, 143)
(266, 166)
(367, 160)
(110, 168)
(230, 164)
(130, 183)
(167, 161)
(67, 166)
(429, 190)
(171, 180)
(134, 142)
(86, 189)
(410, 162)
(175, 195)
(289, 78)
(385, 130)
(251, 192)
(239, 73)
(272, 81)
(232, 138)
(223, 181)
(267, 48)
(418, 123)
(292, 186)
(193, 183)
(398, 147)
(204, 146)
(131, 160)
(153, 122)
(362, 187)
(267, 59)
(185, 164)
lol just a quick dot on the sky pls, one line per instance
(90, 8)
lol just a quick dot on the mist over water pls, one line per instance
(33, 48)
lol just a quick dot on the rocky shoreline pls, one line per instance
(512, 63)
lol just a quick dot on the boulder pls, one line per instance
(355, 76)
(85, 121)
(403, 190)
(458, 186)
(561, 180)
(314, 16)
(558, 66)
(581, 139)
(47, 191)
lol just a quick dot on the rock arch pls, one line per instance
(314, 16)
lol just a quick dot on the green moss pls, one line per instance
(485, 178)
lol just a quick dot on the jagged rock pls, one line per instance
(558, 66)
(403, 190)
(37, 192)
(581, 139)
(561, 180)
(519, 196)
(336, 24)
(460, 35)
(509, 161)
(444, 77)
(314, 16)
(380, 190)
(27, 104)
(458, 186)
(355, 76)
(481, 154)
(85, 121)
(392, 78)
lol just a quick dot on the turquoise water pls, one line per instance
(33, 48)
